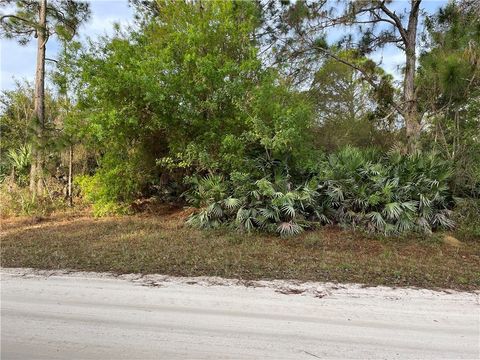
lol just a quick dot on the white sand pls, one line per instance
(78, 315)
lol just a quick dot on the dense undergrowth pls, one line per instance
(383, 193)
(386, 193)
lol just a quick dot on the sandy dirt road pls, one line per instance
(58, 315)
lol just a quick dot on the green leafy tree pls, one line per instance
(279, 126)
(186, 92)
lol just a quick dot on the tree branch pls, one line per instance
(396, 19)
(3, 17)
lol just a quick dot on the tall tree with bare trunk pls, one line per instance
(40, 19)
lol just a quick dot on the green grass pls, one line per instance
(162, 244)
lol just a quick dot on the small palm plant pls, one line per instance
(21, 157)
(209, 194)
(20, 160)
(271, 206)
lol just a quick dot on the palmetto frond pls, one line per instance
(288, 210)
(442, 219)
(392, 211)
(214, 210)
(232, 203)
(21, 157)
(271, 213)
(377, 219)
(289, 229)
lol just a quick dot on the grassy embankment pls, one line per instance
(163, 244)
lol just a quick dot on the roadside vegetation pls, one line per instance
(269, 131)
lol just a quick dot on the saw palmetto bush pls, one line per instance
(19, 160)
(279, 206)
(392, 193)
(210, 195)
(385, 193)
(272, 205)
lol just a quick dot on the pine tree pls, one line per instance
(40, 19)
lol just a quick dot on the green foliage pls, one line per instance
(115, 184)
(17, 130)
(390, 194)
(450, 65)
(176, 82)
(467, 215)
(449, 86)
(20, 161)
(16, 111)
(272, 206)
(63, 18)
(187, 93)
(395, 193)
(348, 110)
(20, 158)
(279, 123)
(95, 192)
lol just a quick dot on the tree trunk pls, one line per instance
(70, 174)
(36, 170)
(410, 111)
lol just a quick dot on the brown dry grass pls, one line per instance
(162, 244)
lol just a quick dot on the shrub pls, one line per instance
(122, 175)
(19, 160)
(273, 206)
(97, 193)
(390, 194)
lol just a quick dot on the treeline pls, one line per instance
(252, 113)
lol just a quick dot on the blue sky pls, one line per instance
(18, 62)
